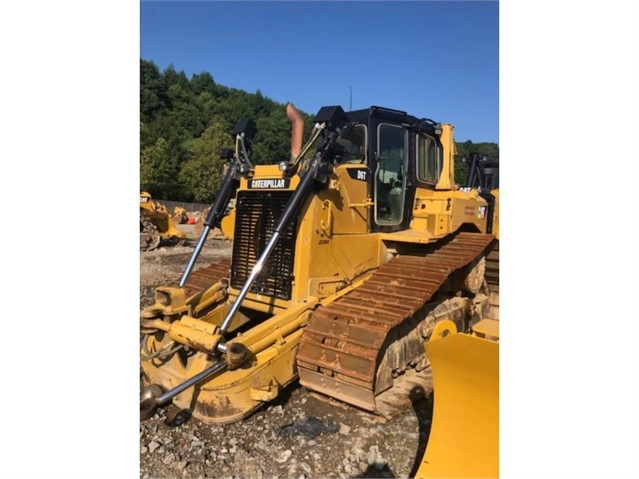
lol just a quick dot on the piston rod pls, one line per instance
(150, 404)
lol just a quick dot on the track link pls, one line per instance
(343, 343)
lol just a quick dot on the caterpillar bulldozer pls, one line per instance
(345, 258)
(156, 225)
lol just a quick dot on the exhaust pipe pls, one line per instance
(297, 133)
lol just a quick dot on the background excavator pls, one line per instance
(344, 262)
(157, 225)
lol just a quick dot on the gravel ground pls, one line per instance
(298, 435)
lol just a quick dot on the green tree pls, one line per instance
(173, 77)
(203, 82)
(153, 95)
(201, 175)
(157, 170)
(146, 136)
(273, 139)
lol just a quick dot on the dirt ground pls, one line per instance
(295, 436)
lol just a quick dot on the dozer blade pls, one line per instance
(464, 437)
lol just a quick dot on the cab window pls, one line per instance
(390, 174)
(429, 160)
(354, 143)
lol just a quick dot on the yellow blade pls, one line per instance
(464, 436)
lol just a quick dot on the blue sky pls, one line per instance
(432, 59)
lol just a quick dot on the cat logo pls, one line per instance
(270, 183)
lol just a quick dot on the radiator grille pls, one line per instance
(256, 213)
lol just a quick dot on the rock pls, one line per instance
(374, 458)
(358, 454)
(284, 456)
(153, 446)
(344, 430)
(310, 427)
(372, 455)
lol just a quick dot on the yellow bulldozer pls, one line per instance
(157, 225)
(345, 259)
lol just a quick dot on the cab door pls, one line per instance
(390, 176)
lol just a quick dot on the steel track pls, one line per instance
(202, 278)
(343, 343)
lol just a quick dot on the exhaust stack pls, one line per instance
(297, 133)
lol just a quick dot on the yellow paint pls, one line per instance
(464, 436)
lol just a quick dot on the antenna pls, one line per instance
(350, 105)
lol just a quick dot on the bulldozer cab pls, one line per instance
(483, 173)
(490, 176)
(401, 152)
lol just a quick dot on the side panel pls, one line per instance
(442, 212)
(334, 244)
